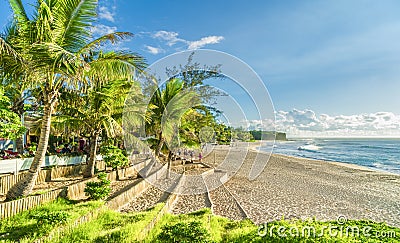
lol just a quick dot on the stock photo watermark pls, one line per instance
(342, 228)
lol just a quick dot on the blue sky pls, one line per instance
(339, 59)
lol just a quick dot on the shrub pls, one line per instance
(51, 217)
(98, 189)
(114, 157)
(184, 232)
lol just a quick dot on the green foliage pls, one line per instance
(223, 134)
(225, 230)
(242, 135)
(112, 226)
(200, 226)
(25, 226)
(98, 189)
(51, 217)
(167, 106)
(268, 135)
(114, 156)
(10, 123)
(184, 232)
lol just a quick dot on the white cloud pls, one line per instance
(154, 50)
(105, 13)
(171, 38)
(307, 123)
(204, 41)
(102, 29)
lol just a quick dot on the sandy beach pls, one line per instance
(290, 187)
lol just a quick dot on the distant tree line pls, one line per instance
(268, 135)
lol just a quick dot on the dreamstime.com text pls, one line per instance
(333, 230)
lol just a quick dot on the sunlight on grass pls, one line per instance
(200, 226)
(26, 226)
(112, 226)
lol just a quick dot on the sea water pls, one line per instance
(380, 154)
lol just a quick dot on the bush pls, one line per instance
(98, 189)
(51, 217)
(114, 156)
(184, 232)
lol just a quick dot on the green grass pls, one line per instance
(221, 229)
(111, 226)
(24, 227)
(225, 230)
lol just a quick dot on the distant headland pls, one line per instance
(268, 135)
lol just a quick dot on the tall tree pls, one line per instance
(166, 108)
(10, 123)
(96, 112)
(12, 74)
(56, 44)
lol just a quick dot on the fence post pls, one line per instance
(16, 167)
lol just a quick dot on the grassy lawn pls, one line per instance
(112, 226)
(200, 226)
(218, 229)
(37, 222)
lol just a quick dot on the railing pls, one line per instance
(11, 208)
(17, 165)
(7, 181)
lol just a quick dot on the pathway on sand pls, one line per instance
(201, 188)
(193, 194)
(223, 202)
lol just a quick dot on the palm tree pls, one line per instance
(169, 106)
(56, 45)
(94, 113)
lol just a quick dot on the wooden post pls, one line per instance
(214, 157)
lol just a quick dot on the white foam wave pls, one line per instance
(309, 147)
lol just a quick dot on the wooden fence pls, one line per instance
(69, 170)
(7, 181)
(8, 209)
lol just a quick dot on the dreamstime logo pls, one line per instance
(341, 229)
(244, 97)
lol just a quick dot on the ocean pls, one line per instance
(379, 154)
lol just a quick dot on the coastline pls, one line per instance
(255, 147)
(301, 188)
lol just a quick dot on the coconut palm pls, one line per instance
(55, 44)
(98, 111)
(169, 105)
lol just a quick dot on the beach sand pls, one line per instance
(299, 188)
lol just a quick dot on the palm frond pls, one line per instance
(115, 65)
(73, 22)
(97, 43)
(19, 12)
(7, 50)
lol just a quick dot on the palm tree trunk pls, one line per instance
(19, 145)
(89, 172)
(117, 173)
(25, 185)
(169, 165)
(159, 145)
(18, 108)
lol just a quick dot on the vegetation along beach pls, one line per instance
(119, 124)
